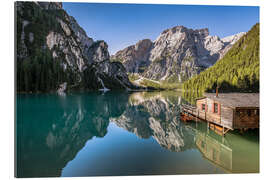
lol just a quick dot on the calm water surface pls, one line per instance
(120, 133)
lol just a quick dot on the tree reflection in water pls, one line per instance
(52, 129)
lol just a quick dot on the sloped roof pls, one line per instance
(236, 99)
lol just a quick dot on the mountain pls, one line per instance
(136, 57)
(54, 53)
(238, 70)
(176, 55)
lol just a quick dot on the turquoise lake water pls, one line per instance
(121, 133)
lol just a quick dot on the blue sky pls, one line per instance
(121, 25)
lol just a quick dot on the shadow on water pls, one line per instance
(52, 130)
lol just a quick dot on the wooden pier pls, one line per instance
(224, 112)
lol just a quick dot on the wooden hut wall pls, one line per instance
(246, 118)
(227, 116)
(212, 116)
(201, 113)
(200, 102)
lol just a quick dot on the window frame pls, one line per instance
(257, 112)
(249, 112)
(215, 108)
(203, 107)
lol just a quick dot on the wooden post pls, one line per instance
(206, 105)
(223, 131)
(241, 131)
(197, 117)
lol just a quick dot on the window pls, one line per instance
(203, 107)
(238, 112)
(257, 112)
(215, 108)
(249, 112)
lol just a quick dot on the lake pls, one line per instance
(122, 133)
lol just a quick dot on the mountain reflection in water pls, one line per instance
(52, 129)
(141, 131)
(156, 114)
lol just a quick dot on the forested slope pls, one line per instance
(237, 71)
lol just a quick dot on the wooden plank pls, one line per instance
(246, 118)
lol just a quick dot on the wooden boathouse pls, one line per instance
(226, 111)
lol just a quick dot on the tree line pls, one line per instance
(237, 71)
(38, 71)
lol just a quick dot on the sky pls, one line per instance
(122, 25)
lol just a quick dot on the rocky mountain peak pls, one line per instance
(143, 45)
(98, 52)
(202, 32)
(182, 29)
(174, 29)
(178, 53)
(50, 5)
(136, 57)
(233, 38)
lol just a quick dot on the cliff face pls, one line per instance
(237, 71)
(136, 57)
(53, 49)
(177, 54)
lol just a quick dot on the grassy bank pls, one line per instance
(160, 85)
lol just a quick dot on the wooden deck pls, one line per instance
(191, 113)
